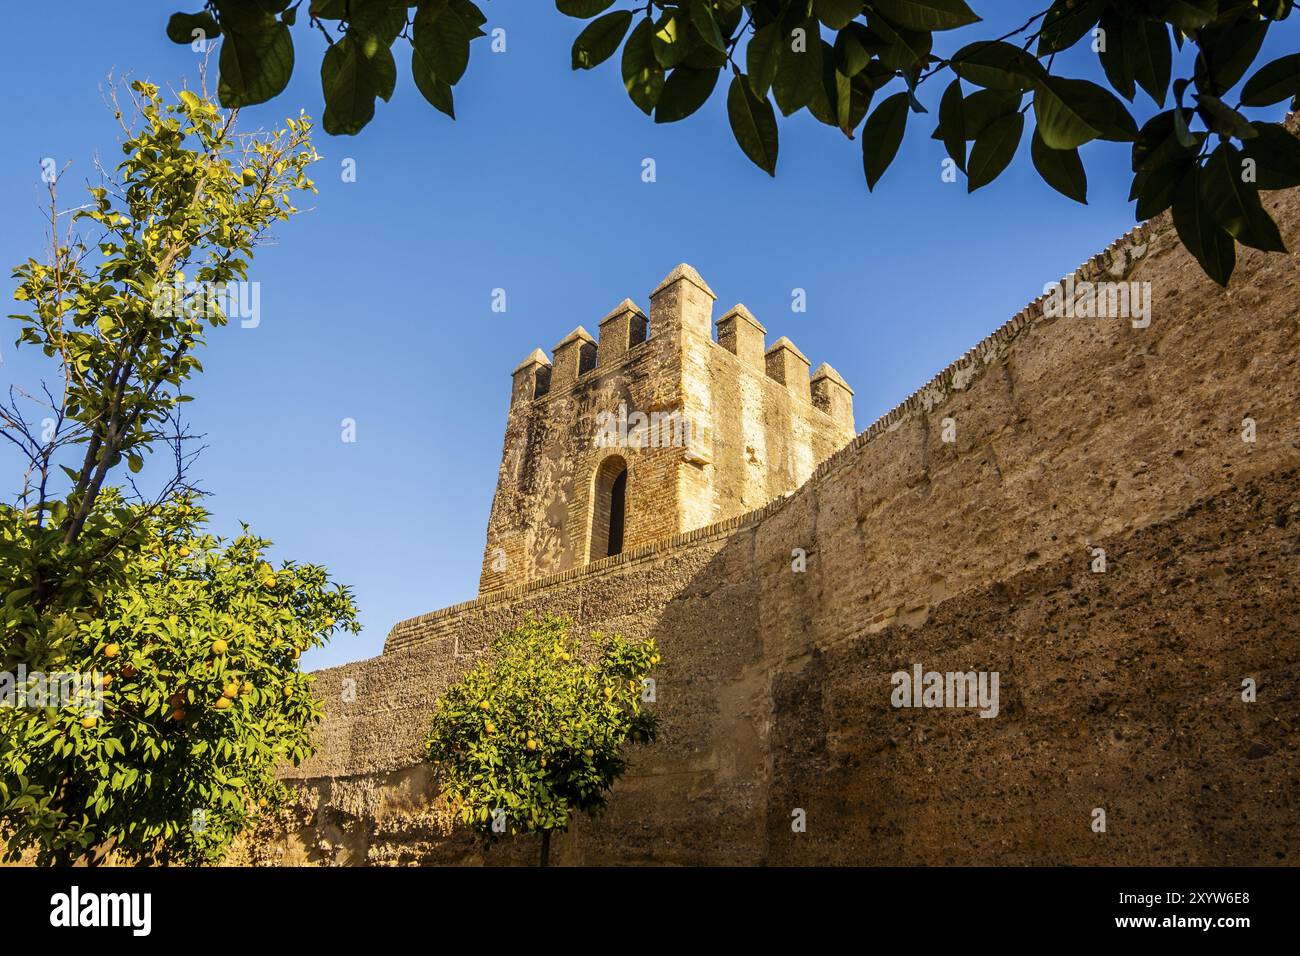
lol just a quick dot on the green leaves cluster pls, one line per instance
(833, 57)
(358, 67)
(196, 637)
(535, 732)
(198, 646)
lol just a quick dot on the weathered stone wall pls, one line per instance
(733, 437)
(1119, 691)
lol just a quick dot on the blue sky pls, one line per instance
(376, 304)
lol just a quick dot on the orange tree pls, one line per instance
(535, 732)
(195, 639)
(839, 58)
(195, 652)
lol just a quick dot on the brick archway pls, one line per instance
(608, 508)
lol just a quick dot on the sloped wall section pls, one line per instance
(1119, 691)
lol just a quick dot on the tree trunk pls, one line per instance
(546, 848)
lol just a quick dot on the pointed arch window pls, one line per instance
(609, 508)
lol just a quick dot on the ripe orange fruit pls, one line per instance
(531, 745)
(128, 671)
(329, 622)
(609, 692)
(219, 647)
(269, 581)
(105, 681)
(223, 702)
(483, 705)
(111, 650)
(184, 552)
(590, 753)
(178, 714)
(88, 722)
(230, 691)
(490, 727)
(247, 688)
(288, 691)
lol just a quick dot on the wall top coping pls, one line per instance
(824, 371)
(627, 305)
(535, 357)
(577, 335)
(684, 271)
(738, 311)
(784, 343)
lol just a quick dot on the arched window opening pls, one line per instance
(609, 508)
(617, 498)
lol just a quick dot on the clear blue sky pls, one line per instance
(376, 303)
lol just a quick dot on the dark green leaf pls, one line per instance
(600, 39)
(997, 66)
(994, 149)
(583, 8)
(643, 77)
(851, 49)
(1204, 238)
(1148, 51)
(256, 60)
(761, 56)
(952, 124)
(1072, 112)
(1234, 204)
(436, 91)
(382, 23)
(1276, 153)
(1231, 50)
(1155, 189)
(1116, 52)
(799, 68)
(836, 14)
(443, 32)
(1061, 169)
(1273, 83)
(705, 25)
(671, 40)
(353, 72)
(181, 27)
(1222, 118)
(984, 106)
(882, 136)
(753, 122)
(685, 91)
(1189, 15)
(1066, 23)
(927, 14)
(899, 49)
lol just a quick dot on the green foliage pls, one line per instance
(196, 637)
(675, 50)
(189, 201)
(535, 732)
(198, 643)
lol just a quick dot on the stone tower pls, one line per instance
(652, 430)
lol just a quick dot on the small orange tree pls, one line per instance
(534, 733)
(202, 698)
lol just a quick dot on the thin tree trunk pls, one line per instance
(546, 848)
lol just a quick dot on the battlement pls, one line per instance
(686, 303)
(654, 428)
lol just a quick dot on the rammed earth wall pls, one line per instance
(1119, 691)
